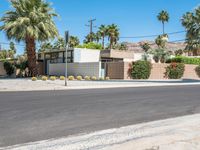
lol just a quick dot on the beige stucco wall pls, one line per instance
(2, 70)
(120, 70)
(158, 71)
(75, 69)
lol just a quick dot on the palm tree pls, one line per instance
(160, 42)
(103, 32)
(90, 38)
(163, 16)
(12, 47)
(113, 34)
(30, 21)
(73, 41)
(45, 46)
(190, 21)
(145, 46)
(59, 44)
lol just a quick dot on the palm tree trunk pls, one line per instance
(163, 28)
(110, 43)
(103, 38)
(31, 54)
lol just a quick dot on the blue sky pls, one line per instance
(134, 17)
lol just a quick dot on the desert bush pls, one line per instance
(34, 79)
(71, 78)
(62, 78)
(44, 78)
(107, 78)
(101, 78)
(87, 78)
(197, 69)
(141, 69)
(9, 67)
(79, 78)
(52, 78)
(93, 78)
(175, 71)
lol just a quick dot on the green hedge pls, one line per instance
(141, 70)
(175, 71)
(185, 60)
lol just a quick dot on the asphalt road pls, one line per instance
(33, 116)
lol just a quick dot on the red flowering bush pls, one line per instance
(175, 71)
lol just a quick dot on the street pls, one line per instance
(34, 116)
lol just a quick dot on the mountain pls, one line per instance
(169, 46)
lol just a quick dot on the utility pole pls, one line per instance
(91, 25)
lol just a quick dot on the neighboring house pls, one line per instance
(80, 62)
(84, 62)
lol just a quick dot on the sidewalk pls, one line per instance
(181, 133)
(28, 85)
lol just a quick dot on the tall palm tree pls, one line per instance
(113, 34)
(163, 16)
(30, 21)
(103, 32)
(73, 41)
(190, 21)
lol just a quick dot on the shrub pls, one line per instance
(62, 78)
(185, 60)
(197, 69)
(79, 78)
(52, 78)
(101, 78)
(87, 78)
(9, 67)
(34, 79)
(44, 78)
(107, 78)
(141, 69)
(175, 71)
(71, 78)
(93, 78)
(91, 45)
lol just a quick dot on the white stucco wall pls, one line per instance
(75, 69)
(82, 55)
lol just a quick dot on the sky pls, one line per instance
(133, 17)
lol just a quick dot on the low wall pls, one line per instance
(75, 69)
(158, 71)
(2, 70)
(120, 70)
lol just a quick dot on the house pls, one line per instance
(84, 62)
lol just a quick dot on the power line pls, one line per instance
(146, 36)
(3, 43)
